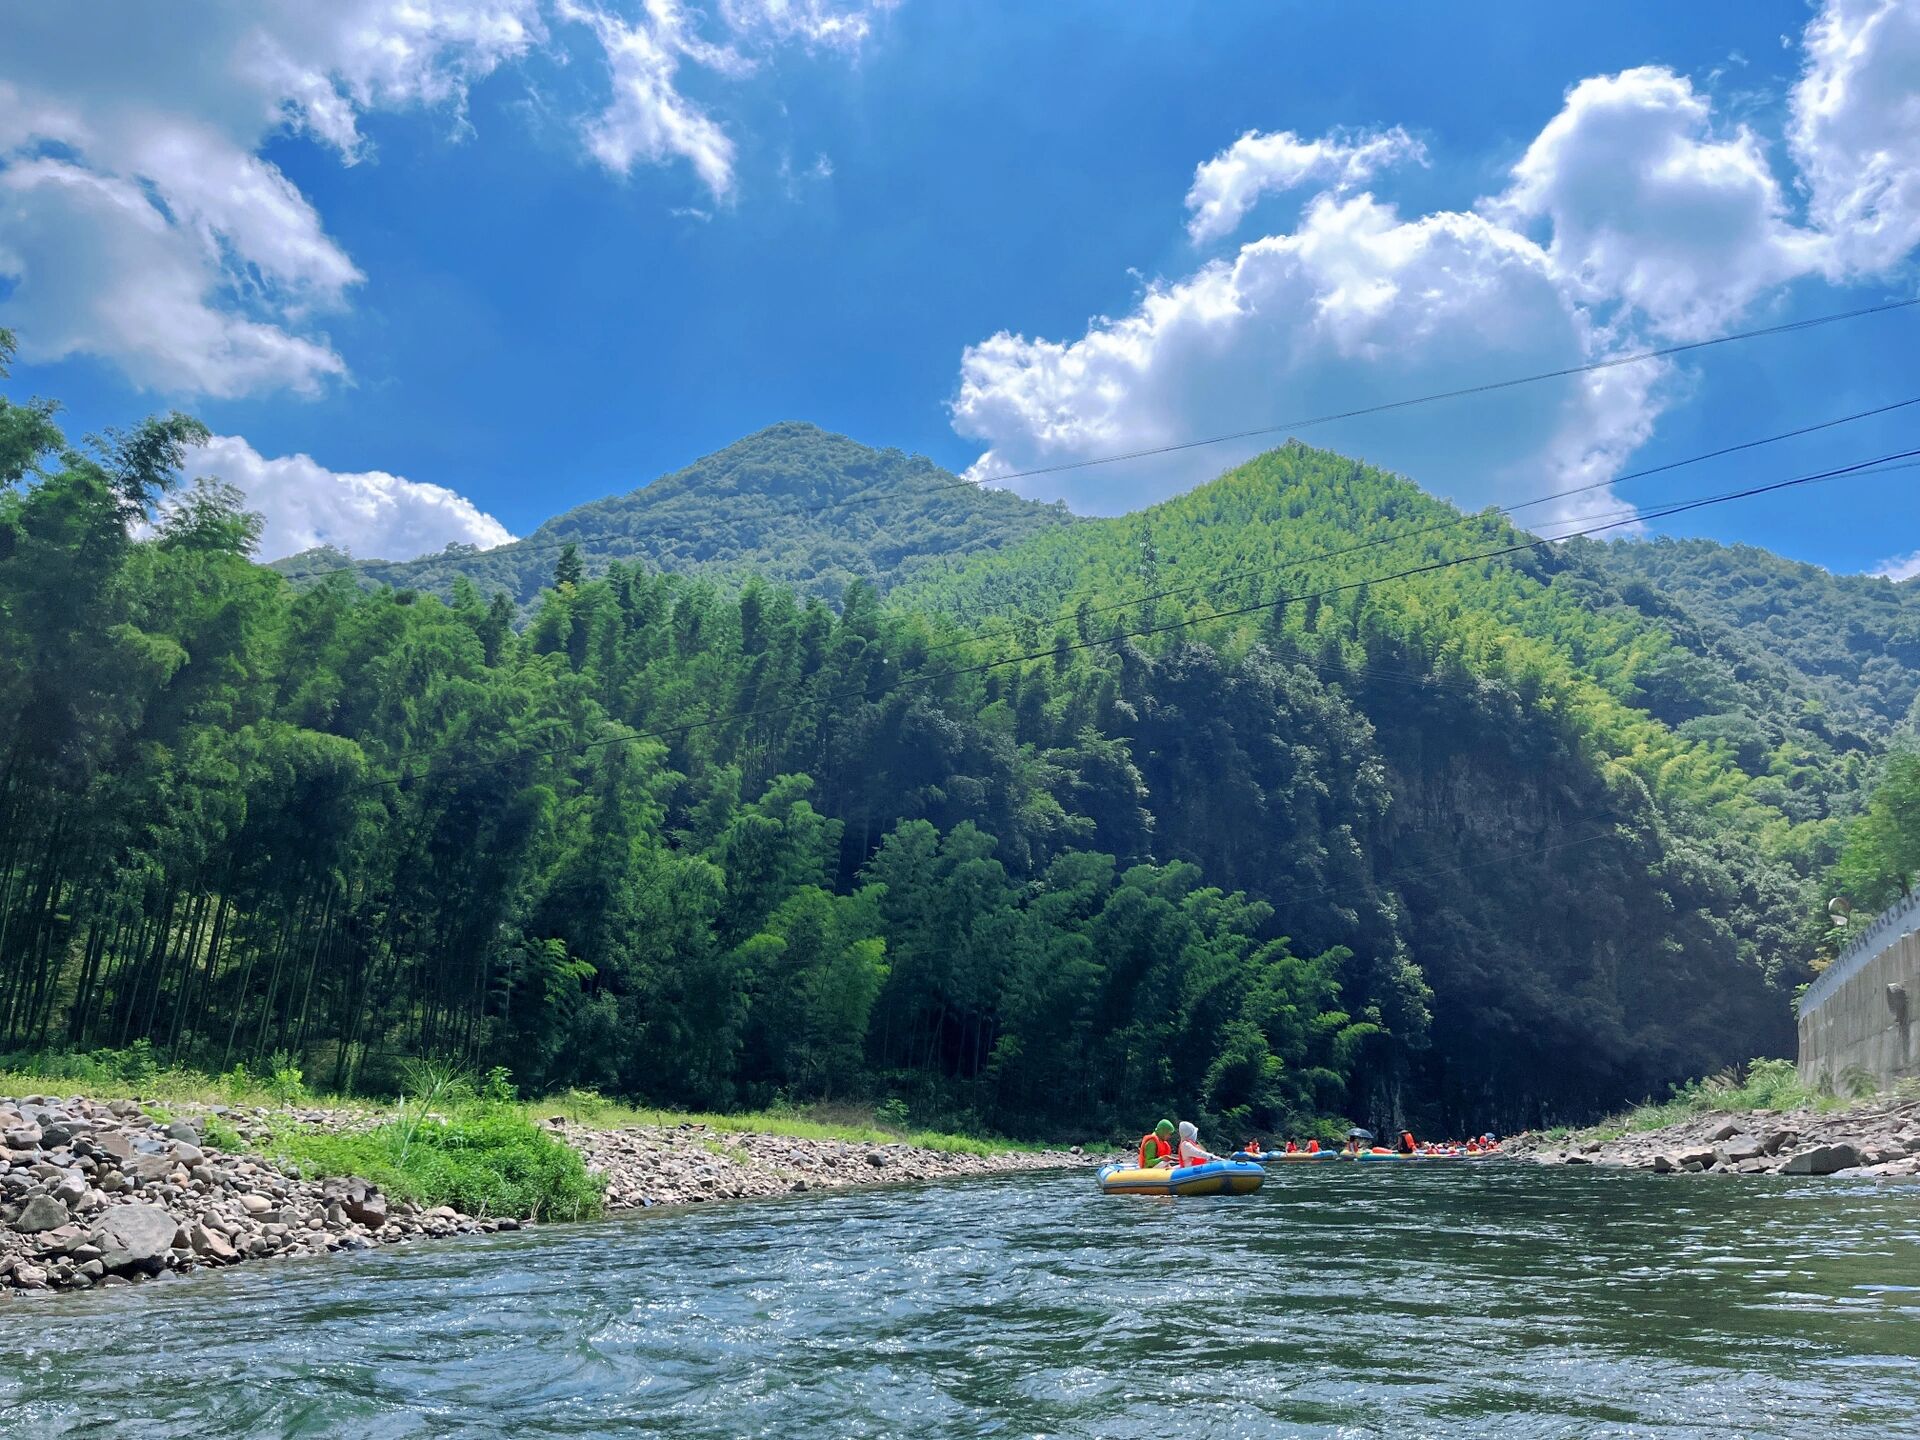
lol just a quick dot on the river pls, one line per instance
(1492, 1300)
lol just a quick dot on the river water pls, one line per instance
(1490, 1300)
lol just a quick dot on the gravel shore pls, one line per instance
(99, 1193)
(1876, 1140)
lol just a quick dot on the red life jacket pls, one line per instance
(1313, 1147)
(1161, 1149)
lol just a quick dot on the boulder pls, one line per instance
(25, 1136)
(185, 1131)
(1701, 1155)
(134, 1237)
(41, 1213)
(116, 1143)
(1777, 1140)
(1733, 1149)
(369, 1210)
(877, 1160)
(1726, 1131)
(1823, 1160)
(29, 1277)
(211, 1244)
(255, 1204)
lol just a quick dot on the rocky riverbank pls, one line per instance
(96, 1193)
(649, 1165)
(1877, 1139)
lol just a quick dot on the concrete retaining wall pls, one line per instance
(1862, 1016)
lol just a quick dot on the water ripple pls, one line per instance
(1502, 1301)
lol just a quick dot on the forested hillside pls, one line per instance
(792, 504)
(1016, 844)
(1855, 638)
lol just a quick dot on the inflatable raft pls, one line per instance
(1219, 1177)
(1281, 1157)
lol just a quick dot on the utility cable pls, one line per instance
(872, 692)
(1384, 407)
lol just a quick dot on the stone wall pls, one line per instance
(1862, 1017)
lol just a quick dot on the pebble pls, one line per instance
(100, 1194)
(1873, 1140)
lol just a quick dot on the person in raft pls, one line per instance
(1407, 1145)
(1156, 1146)
(1252, 1147)
(1191, 1150)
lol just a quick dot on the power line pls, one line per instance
(1010, 630)
(873, 692)
(1450, 523)
(993, 481)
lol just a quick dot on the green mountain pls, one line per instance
(1219, 808)
(1853, 639)
(792, 504)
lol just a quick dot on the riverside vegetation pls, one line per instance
(999, 849)
(236, 1168)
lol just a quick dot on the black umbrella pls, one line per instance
(1358, 1134)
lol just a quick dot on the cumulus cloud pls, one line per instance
(1648, 206)
(138, 220)
(1228, 185)
(369, 513)
(1855, 130)
(1632, 217)
(1900, 567)
(1356, 305)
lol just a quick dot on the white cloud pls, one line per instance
(369, 513)
(648, 120)
(1855, 130)
(1228, 185)
(138, 221)
(1632, 216)
(844, 26)
(1648, 206)
(1900, 567)
(1356, 305)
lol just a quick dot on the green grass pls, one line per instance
(137, 1072)
(1757, 1085)
(486, 1158)
(845, 1123)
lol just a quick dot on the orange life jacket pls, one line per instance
(1313, 1147)
(1292, 1149)
(1407, 1147)
(1161, 1149)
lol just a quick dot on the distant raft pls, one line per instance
(1217, 1177)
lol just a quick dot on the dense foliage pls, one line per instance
(791, 504)
(1854, 638)
(1881, 861)
(1006, 849)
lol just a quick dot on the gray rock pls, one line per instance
(1777, 1140)
(1736, 1148)
(187, 1154)
(116, 1143)
(29, 1277)
(1823, 1160)
(135, 1236)
(184, 1131)
(41, 1213)
(369, 1210)
(876, 1159)
(1726, 1131)
(24, 1137)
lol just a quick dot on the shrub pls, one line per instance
(485, 1159)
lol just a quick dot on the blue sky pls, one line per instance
(439, 270)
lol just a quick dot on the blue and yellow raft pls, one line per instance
(1218, 1177)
